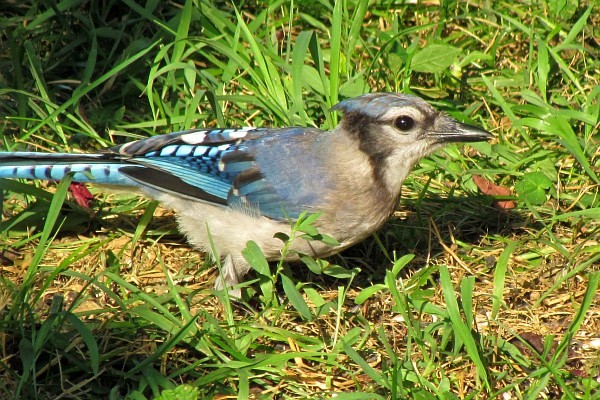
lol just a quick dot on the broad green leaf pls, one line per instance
(401, 263)
(367, 293)
(314, 296)
(295, 298)
(181, 392)
(339, 272)
(255, 257)
(564, 10)
(316, 266)
(434, 58)
(354, 87)
(533, 187)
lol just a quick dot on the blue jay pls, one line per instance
(251, 183)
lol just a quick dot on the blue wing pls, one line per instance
(260, 171)
(216, 166)
(281, 175)
(185, 163)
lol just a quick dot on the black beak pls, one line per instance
(454, 131)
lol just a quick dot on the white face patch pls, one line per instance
(395, 112)
(194, 138)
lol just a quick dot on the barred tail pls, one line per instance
(93, 168)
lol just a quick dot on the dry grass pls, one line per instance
(535, 308)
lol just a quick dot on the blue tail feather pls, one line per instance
(86, 168)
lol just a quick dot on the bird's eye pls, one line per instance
(404, 123)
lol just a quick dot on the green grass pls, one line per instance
(454, 298)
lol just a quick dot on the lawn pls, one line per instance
(483, 285)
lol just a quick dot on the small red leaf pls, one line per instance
(81, 194)
(489, 188)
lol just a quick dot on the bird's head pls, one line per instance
(396, 130)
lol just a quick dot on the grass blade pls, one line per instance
(463, 332)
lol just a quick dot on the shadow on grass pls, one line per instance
(468, 220)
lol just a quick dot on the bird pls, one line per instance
(231, 186)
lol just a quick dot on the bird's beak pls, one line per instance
(454, 131)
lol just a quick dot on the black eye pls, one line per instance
(404, 123)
